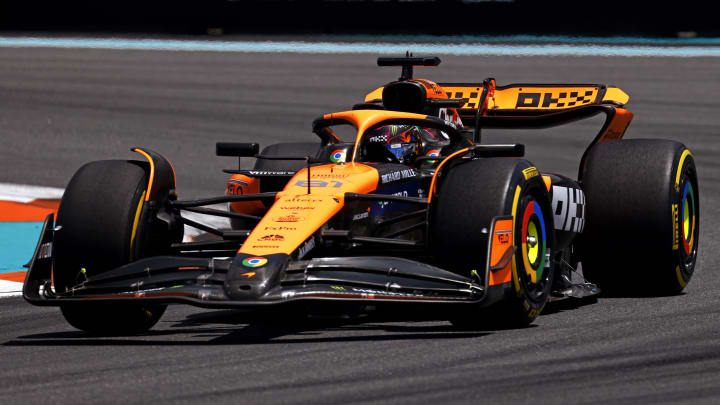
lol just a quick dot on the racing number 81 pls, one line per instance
(318, 183)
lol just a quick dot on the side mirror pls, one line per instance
(238, 149)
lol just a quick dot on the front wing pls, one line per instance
(202, 282)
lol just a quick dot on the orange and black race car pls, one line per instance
(398, 205)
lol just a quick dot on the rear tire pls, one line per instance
(642, 228)
(97, 221)
(471, 195)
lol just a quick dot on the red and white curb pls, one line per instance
(22, 210)
(27, 204)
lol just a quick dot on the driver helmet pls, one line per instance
(404, 142)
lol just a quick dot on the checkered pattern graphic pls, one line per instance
(529, 96)
(562, 99)
(472, 96)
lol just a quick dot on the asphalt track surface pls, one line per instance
(60, 108)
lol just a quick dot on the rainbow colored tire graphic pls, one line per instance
(533, 239)
(519, 270)
(687, 222)
(255, 261)
(532, 271)
(688, 218)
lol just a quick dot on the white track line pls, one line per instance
(10, 289)
(479, 47)
(24, 193)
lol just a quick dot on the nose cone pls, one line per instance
(251, 277)
(306, 205)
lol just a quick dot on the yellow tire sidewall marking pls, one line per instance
(680, 278)
(684, 155)
(678, 173)
(138, 210)
(518, 189)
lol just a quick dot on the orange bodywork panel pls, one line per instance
(296, 214)
(548, 182)
(615, 95)
(432, 89)
(501, 246)
(375, 95)
(240, 184)
(615, 129)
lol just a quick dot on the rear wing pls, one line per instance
(486, 105)
(530, 99)
(522, 99)
(483, 105)
(542, 106)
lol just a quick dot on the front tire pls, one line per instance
(471, 195)
(97, 226)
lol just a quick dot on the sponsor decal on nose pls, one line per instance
(256, 261)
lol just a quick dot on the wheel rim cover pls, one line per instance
(688, 217)
(533, 256)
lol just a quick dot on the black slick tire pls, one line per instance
(470, 196)
(97, 222)
(642, 217)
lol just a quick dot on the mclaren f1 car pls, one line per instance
(411, 212)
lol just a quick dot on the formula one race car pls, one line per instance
(412, 212)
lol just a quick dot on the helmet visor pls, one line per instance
(402, 151)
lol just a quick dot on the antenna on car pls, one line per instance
(488, 91)
(407, 63)
(307, 159)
